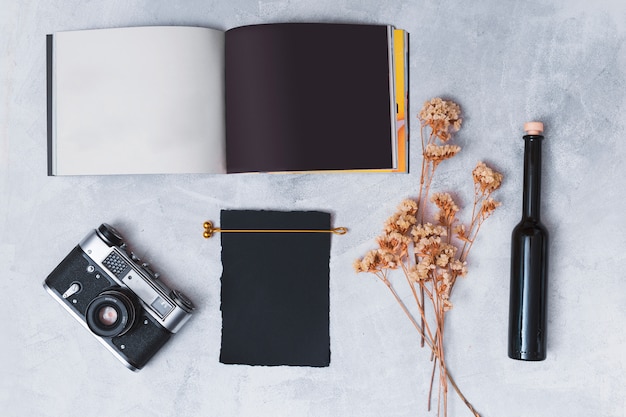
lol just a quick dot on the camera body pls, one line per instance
(117, 298)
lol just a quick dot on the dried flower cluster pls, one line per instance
(442, 117)
(432, 255)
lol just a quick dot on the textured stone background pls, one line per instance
(504, 61)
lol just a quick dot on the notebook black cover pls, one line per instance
(275, 298)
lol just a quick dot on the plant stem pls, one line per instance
(433, 343)
(421, 302)
(406, 310)
(432, 382)
(460, 394)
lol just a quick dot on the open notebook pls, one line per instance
(263, 98)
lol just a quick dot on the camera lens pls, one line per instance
(110, 314)
(107, 316)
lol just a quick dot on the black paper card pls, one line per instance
(275, 298)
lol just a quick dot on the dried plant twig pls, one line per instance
(433, 254)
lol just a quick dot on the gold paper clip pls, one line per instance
(209, 230)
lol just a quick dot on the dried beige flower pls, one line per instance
(461, 233)
(394, 242)
(488, 206)
(369, 263)
(444, 282)
(408, 206)
(403, 219)
(377, 260)
(390, 260)
(414, 275)
(424, 267)
(427, 230)
(460, 268)
(445, 255)
(486, 178)
(447, 208)
(441, 116)
(444, 202)
(439, 153)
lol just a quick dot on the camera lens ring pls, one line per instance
(110, 314)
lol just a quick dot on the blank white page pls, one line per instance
(144, 100)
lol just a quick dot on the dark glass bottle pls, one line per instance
(529, 261)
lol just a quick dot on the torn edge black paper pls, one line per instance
(275, 289)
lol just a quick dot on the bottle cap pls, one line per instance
(533, 128)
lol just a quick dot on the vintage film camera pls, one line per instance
(118, 299)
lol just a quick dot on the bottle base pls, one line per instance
(527, 356)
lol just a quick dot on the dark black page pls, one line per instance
(275, 300)
(307, 97)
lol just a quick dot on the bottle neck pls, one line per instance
(532, 176)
